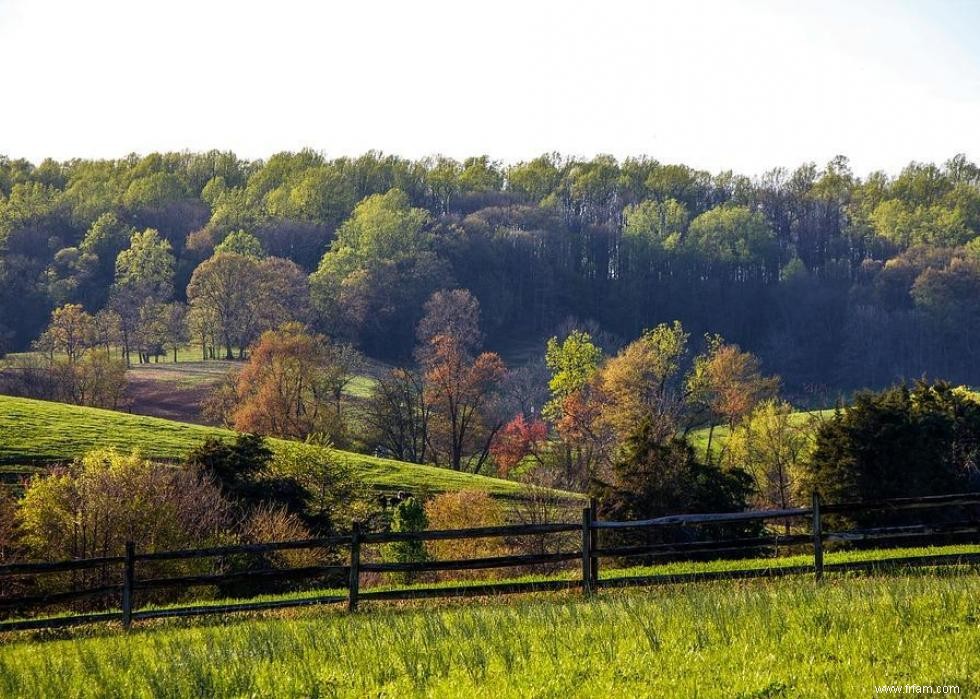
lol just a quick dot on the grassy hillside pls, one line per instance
(34, 432)
(784, 637)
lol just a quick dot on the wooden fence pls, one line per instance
(589, 553)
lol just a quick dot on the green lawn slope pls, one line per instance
(35, 433)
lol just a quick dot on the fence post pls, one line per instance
(129, 577)
(817, 539)
(354, 582)
(594, 543)
(587, 550)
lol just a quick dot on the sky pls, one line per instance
(742, 85)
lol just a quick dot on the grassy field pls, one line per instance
(36, 432)
(785, 637)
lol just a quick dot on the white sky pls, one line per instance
(717, 85)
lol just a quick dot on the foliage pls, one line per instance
(641, 383)
(464, 509)
(652, 478)
(455, 314)
(517, 440)
(383, 247)
(459, 390)
(409, 516)
(903, 441)
(292, 385)
(96, 504)
(334, 498)
(397, 414)
(772, 446)
(234, 465)
(834, 281)
(241, 243)
(572, 362)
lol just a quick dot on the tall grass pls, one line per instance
(759, 639)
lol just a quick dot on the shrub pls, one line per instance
(654, 479)
(462, 510)
(901, 442)
(93, 506)
(409, 516)
(332, 495)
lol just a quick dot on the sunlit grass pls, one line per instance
(36, 432)
(787, 637)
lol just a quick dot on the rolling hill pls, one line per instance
(37, 433)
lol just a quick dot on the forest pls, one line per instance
(836, 282)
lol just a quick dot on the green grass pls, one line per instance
(39, 432)
(674, 568)
(785, 637)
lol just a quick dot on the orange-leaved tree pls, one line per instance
(460, 390)
(289, 386)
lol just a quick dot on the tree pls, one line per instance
(459, 389)
(174, 327)
(235, 466)
(455, 314)
(727, 383)
(241, 243)
(221, 291)
(335, 497)
(517, 440)
(71, 332)
(900, 442)
(572, 362)
(289, 387)
(144, 279)
(653, 478)
(640, 385)
(397, 415)
(409, 516)
(772, 445)
(575, 405)
(377, 273)
(146, 267)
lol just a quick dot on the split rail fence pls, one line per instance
(960, 523)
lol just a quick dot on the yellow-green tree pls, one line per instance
(772, 445)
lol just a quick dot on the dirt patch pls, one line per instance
(172, 391)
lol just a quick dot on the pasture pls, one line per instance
(786, 637)
(35, 433)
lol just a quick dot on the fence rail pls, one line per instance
(589, 553)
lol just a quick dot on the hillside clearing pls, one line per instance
(34, 432)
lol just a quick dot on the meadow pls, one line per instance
(35, 433)
(786, 637)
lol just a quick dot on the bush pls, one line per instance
(654, 479)
(98, 503)
(8, 530)
(899, 442)
(332, 495)
(462, 510)
(409, 516)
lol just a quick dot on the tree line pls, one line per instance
(835, 281)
